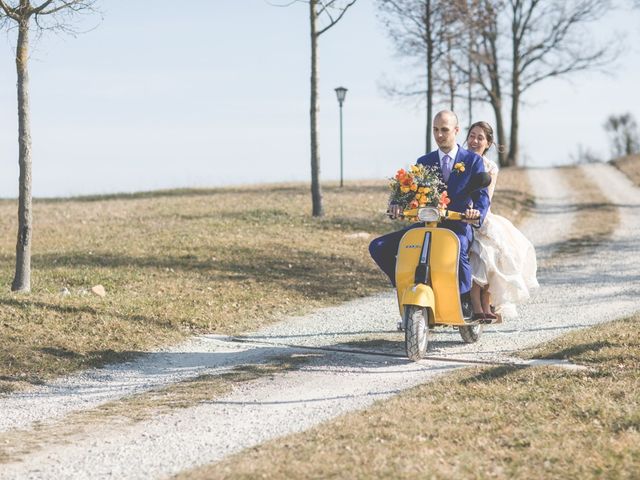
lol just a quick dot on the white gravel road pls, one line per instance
(577, 290)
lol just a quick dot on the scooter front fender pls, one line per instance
(418, 294)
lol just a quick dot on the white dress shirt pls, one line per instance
(452, 154)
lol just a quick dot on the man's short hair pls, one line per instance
(442, 113)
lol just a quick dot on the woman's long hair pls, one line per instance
(488, 132)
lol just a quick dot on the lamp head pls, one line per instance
(341, 92)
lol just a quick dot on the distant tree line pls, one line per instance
(492, 51)
(623, 134)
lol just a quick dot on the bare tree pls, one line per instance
(624, 134)
(332, 11)
(323, 14)
(544, 38)
(483, 63)
(548, 40)
(417, 29)
(46, 15)
(450, 75)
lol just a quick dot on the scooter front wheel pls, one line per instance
(416, 333)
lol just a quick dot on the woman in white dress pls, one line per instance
(503, 261)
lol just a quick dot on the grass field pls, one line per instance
(177, 263)
(630, 166)
(500, 422)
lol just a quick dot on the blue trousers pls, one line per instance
(384, 250)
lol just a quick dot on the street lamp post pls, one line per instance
(341, 92)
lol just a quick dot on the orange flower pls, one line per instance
(414, 187)
(444, 199)
(413, 203)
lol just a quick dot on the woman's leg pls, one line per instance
(476, 300)
(485, 299)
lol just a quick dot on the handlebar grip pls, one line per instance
(451, 215)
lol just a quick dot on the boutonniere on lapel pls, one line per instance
(459, 167)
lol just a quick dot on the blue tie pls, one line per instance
(446, 167)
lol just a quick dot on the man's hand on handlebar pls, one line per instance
(472, 215)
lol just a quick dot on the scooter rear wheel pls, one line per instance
(416, 333)
(471, 333)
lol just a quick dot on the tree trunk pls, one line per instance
(450, 79)
(512, 157)
(22, 278)
(496, 104)
(514, 147)
(500, 137)
(470, 85)
(427, 20)
(316, 192)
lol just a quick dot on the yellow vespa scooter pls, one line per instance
(427, 278)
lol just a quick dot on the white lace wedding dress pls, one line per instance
(502, 257)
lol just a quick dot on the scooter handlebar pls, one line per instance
(444, 215)
(451, 215)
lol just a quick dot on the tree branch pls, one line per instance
(74, 5)
(333, 22)
(9, 11)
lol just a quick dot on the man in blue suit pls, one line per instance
(475, 205)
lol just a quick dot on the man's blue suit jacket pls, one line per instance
(473, 164)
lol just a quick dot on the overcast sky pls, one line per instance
(217, 93)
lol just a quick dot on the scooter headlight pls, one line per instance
(428, 214)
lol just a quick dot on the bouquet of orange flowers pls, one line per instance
(419, 186)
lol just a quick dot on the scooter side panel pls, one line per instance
(445, 248)
(408, 257)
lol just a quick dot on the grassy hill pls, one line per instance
(176, 263)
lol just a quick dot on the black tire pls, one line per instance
(416, 334)
(471, 333)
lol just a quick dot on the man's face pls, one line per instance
(445, 131)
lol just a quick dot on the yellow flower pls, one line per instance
(426, 190)
(413, 187)
(404, 189)
(415, 168)
(459, 166)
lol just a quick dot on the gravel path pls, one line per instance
(576, 291)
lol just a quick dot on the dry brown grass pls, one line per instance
(630, 166)
(226, 260)
(513, 197)
(501, 422)
(596, 217)
(181, 262)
